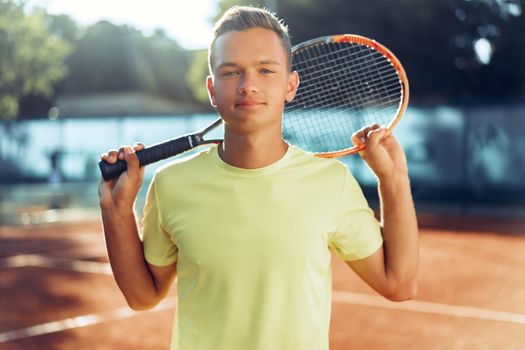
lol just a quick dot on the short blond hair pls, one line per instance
(241, 18)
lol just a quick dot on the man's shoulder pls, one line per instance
(195, 162)
(309, 161)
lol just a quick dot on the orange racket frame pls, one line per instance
(361, 40)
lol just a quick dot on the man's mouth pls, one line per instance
(248, 103)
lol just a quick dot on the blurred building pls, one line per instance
(120, 104)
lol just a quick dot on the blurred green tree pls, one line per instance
(31, 57)
(117, 58)
(166, 63)
(101, 61)
(197, 75)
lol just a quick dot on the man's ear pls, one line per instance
(293, 85)
(211, 90)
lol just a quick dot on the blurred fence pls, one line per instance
(472, 155)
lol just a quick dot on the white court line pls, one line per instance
(338, 296)
(79, 321)
(428, 307)
(56, 263)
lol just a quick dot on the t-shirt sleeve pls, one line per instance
(358, 233)
(159, 248)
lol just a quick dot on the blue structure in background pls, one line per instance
(467, 155)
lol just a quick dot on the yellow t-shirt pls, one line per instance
(253, 247)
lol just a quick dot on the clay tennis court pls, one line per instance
(57, 292)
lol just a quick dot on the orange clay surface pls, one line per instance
(57, 292)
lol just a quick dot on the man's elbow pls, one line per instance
(402, 292)
(141, 305)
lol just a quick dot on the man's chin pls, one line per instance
(251, 123)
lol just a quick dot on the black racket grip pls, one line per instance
(148, 155)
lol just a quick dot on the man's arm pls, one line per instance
(392, 270)
(143, 285)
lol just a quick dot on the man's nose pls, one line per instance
(248, 84)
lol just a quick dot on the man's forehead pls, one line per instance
(259, 44)
(254, 36)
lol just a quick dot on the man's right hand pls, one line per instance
(121, 192)
(143, 285)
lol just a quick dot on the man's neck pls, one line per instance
(252, 150)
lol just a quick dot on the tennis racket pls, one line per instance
(161, 151)
(347, 82)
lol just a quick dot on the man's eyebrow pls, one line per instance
(258, 63)
(272, 62)
(227, 64)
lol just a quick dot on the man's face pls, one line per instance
(250, 80)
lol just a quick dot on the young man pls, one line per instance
(248, 226)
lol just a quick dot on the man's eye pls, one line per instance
(230, 74)
(266, 71)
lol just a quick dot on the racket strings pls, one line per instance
(389, 89)
(338, 58)
(383, 71)
(370, 85)
(344, 86)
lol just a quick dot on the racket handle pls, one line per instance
(148, 155)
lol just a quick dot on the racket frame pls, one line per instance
(361, 40)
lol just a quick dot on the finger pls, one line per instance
(112, 156)
(375, 136)
(371, 128)
(138, 146)
(132, 162)
(122, 152)
(360, 136)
